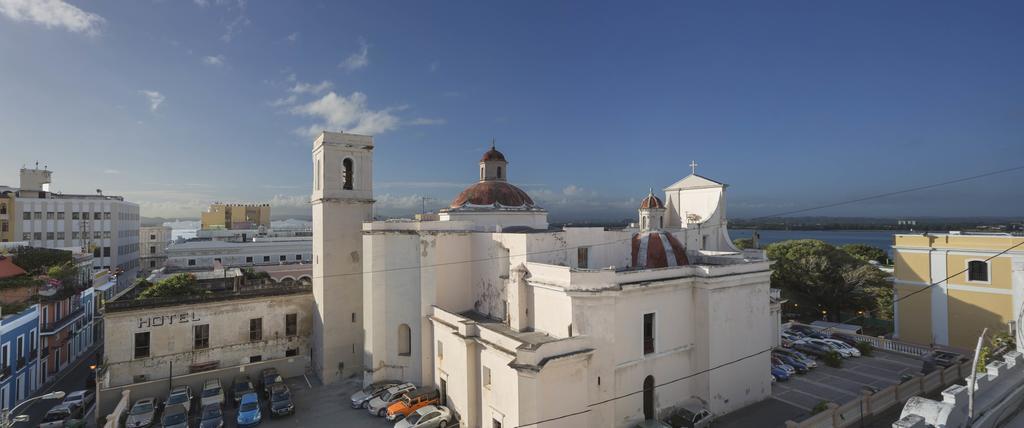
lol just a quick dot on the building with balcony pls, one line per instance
(985, 286)
(516, 322)
(66, 330)
(19, 353)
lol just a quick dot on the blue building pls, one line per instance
(19, 351)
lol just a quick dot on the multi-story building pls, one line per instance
(108, 226)
(7, 204)
(236, 216)
(153, 242)
(18, 356)
(985, 286)
(202, 254)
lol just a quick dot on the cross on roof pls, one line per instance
(693, 167)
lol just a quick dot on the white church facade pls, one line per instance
(518, 323)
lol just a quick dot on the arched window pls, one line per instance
(481, 172)
(649, 397)
(977, 270)
(404, 340)
(499, 172)
(347, 173)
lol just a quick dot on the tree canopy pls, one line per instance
(817, 277)
(743, 243)
(867, 253)
(36, 261)
(178, 285)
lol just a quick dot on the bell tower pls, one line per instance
(342, 200)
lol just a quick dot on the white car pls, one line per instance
(379, 404)
(427, 417)
(853, 351)
(843, 352)
(83, 398)
(212, 393)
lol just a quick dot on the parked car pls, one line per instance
(181, 395)
(783, 359)
(239, 387)
(818, 350)
(795, 333)
(249, 413)
(142, 414)
(268, 377)
(212, 393)
(379, 404)
(790, 370)
(60, 414)
(843, 352)
(800, 356)
(779, 374)
(852, 350)
(175, 416)
(649, 423)
(691, 414)
(427, 417)
(845, 338)
(363, 396)
(805, 330)
(791, 336)
(412, 401)
(83, 398)
(212, 416)
(281, 400)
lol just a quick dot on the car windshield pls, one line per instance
(74, 396)
(211, 412)
(281, 395)
(245, 386)
(177, 398)
(211, 392)
(413, 418)
(142, 408)
(386, 396)
(176, 418)
(248, 407)
(56, 415)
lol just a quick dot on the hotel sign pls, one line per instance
(162, 320)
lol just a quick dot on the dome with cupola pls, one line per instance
(657, 249)
(493, 191)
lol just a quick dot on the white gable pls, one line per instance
(694, 181)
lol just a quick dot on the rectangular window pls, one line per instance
(75, 216)
(106, 216)
(97, 216)
(38, 215)
(60, 215)
(191, 262)
(20, 356)
(38, 236)
(266, 258)
(283, 258)
(49, 236)
(152, 249)
(582, 257)
(26, 215)
(648, 333)
(202, 336)
(106, 251)
(256, 329)
(4, 361)
(27, 236)
(142, 345)
(3, 226)
(75, 235)
(977, 270)
(291, 327)
(496, 424)
(152, 263)
(248, 259)
(487, 377)
(291, 352)
(49, 215)
(255, 358)
(97, 234)
(298, 257)
(60, 235)
(152, 237)
(440, 350)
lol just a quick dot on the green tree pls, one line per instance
(867, 253)
(37, 260)
(743, 243)
(816, 277)
(178, 285)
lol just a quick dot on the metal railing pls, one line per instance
(50, 327)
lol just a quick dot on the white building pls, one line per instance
(107, 225)
(196, 254)
(517, 323)
(153, 242)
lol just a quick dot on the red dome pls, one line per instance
(493, 192)
(493, 155)
(650, 202)
(652, 250)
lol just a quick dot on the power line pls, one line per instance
(898, 192)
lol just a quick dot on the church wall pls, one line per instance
(457, 364)
(499, 401)
(551, 311)
(559, 388)
(392, 297)
(604, 248)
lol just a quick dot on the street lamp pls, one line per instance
(5, 418)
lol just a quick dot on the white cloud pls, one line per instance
(359, 59)
(435, 65)
(111, 171)
(349, 114)
(215, 60)
(289, 201)
(293, 37)
(419, 121)
(51, 14)
(286, 101)
(233, 28)
(571, 190)
(155, 99)
(310, 88)
(290, 77)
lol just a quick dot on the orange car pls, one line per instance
(412, 401)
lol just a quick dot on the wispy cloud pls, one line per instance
(233, 28)
(310, 88)
(214, 60)
(350, 114)
(359, 59)
(155, 99)
(293, 37)
(284, 101)
(52, 14)
(111, 171)
(424, 121)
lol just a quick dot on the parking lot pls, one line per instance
(316, 405)
(794, 399)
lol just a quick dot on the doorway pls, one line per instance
(649, 397)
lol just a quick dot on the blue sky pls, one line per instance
(177, 103)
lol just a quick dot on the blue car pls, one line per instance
(777, 372)
(793, 362)
(249, 411)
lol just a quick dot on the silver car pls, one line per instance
(379, 405)
(142, 413)
(363, 396)
(83, 398)
(59, 415)
(175, 416)
(180, 395)
(212, 393)
(427, 417)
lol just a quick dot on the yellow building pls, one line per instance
(981, 293)
(236, 216)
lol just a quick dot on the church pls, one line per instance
(516, 322)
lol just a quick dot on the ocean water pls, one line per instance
(875, 238)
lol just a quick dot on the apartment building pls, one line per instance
(153, 242)
(236, 216)
(985, 286)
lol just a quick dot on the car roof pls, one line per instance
(278, 386)
(427, 409)
(211, 382)
(251, 396)
(174, 409)
(61, 407)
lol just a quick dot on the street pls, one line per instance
(72, 380)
